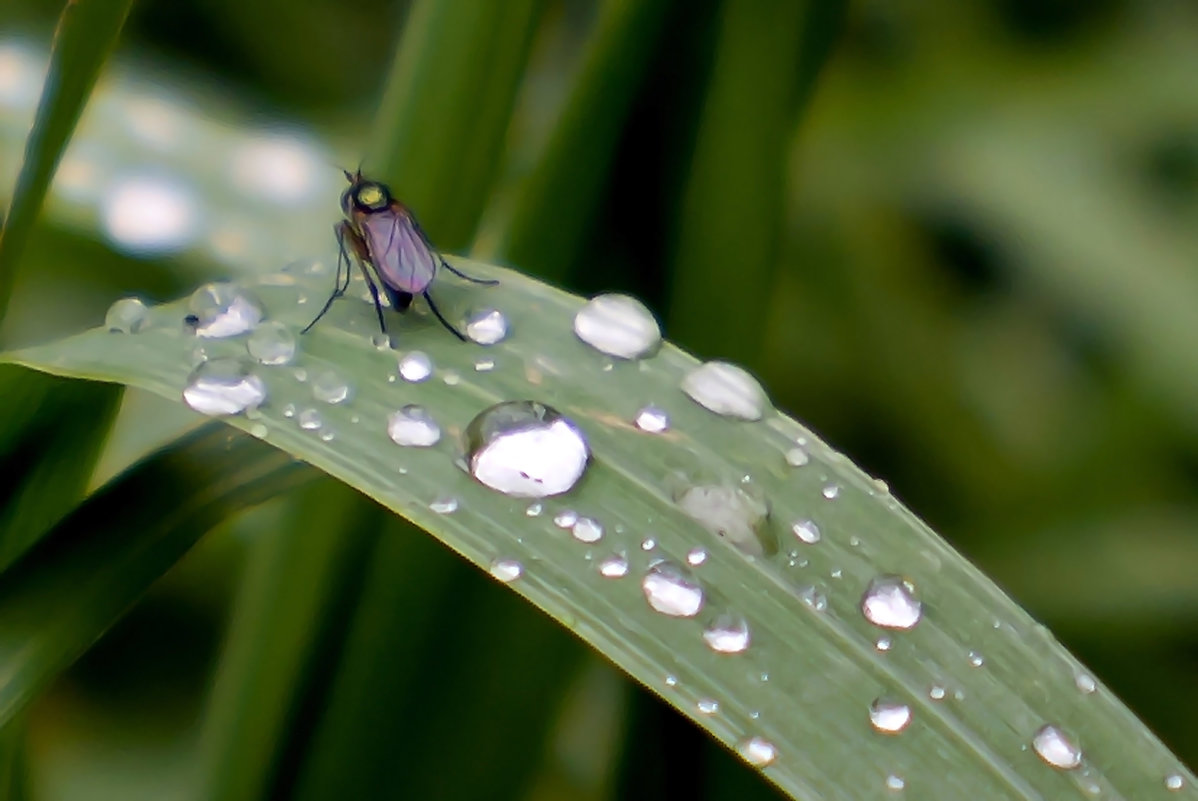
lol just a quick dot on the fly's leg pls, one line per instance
(470, 278)
(441, 317)
(338, 288)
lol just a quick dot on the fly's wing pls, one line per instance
(398, 250)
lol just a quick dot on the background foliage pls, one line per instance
(963, 251)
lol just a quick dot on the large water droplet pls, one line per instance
(889, 602)
(415, 367)
(506, 569)
(807, 531)
(670, 590)
(727, 634)
(726, 389)
(223, 386)
(1085, 683)
(735, 513)
(413, 426)
(526, 449)
(329, 387)
(1051, 745)
(272, 343)
(757, 751)
(652, 420)
(125, 316)
(889, 717)
(617, 325)
(223, 310)
(486, 327)
(1175, 782)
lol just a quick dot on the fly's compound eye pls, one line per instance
(372, 197)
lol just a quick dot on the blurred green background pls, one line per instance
(958, 239)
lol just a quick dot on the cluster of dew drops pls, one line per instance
(527, 449)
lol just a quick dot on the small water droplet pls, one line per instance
(329, 387)
(670, 590)
(444, 506)
(271, 343)
(125, 316)
(1175, 782)
(588, 530)
(484, 365)
(813, 598)
(883, 644)
(289, 410)
(526, 449)
(1051, 745)
(486, 327)
(534, 510)
(566, 519)
(381, 342)
(727, 634)
(451, 378)
(327, 436)
(224, 310)
(895, 782)
(889, 602)
(734, 513)
(757, 751)
(797, 456)
(259, 430)
(671, 681)
(617, 325)
(310, 420)
(413, 426)
(696, 556)
(506, 569)
(614, 566)
(936, 692)
(976, 659)
(889, 717)
(223, 386)
(300, 374)
(652, 420)
(707, 706)
(807, 531)
(726, 389)
(415, 367)
(648, 544)
(830, 491)
(1085, 683)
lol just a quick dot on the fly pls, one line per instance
(385, 237)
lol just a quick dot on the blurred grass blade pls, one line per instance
(14, 779)
(567, 184)
(446, 109)
(300, 584)
(99, 560)
(977, 674)
(87, 31)
(731, 213)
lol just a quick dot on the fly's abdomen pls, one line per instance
(399, 253)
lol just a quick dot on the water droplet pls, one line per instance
(727, 634)
(125, 316)
(271, 343)
(289, 410)
(484, 365)
(889, 717)
(444, 505)
(652, 420)
(696, 556)
(566, 518)
(757, 751)
(486, 327)
(671, 681)
(614, 566)
(413, 426)
(707, 706)
(526, 449)
(670, 590)
(830, 491)
(534, 510)
(381, 342)
(813, 598)
(734, 513)
(300, 374)
(1175, 782)
(223, 310)
(1051, 745)
(617, 325)
(415, 367)
(588, 530)
(883, 644)
(259, 430)
(797, 457)
(506, 569)
(330, 387)
(895, 782)
(726, 389)
(1085, 683)
(223, 386)
(936, 692)
(310, 420)
(889, 602)
(807, 531)
(648, 544)
(976, 659)
(327, 436)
